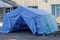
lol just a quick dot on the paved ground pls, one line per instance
(27, 35)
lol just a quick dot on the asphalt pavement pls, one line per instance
(27, 35)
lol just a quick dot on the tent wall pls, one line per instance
(38, 21)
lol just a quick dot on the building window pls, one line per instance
(33, 6)
(9, 9)
(45, 1)
(56, 10)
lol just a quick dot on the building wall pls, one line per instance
(1, 14)
(1, 10)
(26, 2)
(40, 3)
(47, 5)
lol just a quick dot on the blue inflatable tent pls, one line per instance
(38, 21)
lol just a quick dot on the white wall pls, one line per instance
(40, 3)
(47, 6)
(26, 2)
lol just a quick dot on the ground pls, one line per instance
(27, 35)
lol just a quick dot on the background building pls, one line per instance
(51, 6)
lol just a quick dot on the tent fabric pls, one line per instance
(38, 21)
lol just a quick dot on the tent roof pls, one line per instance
(24, 8)
(38, 11)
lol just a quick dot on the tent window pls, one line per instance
(33, 6)
(56, 10)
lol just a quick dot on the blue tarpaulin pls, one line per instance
(38, 21)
